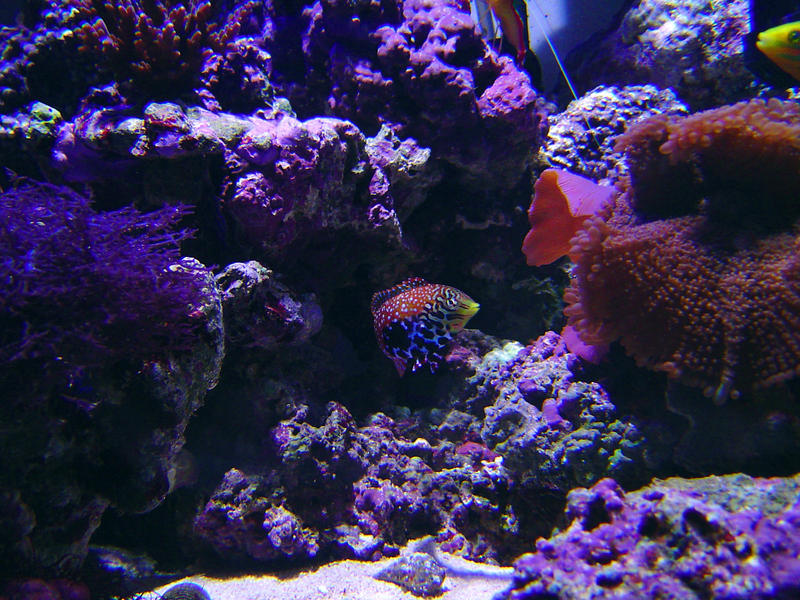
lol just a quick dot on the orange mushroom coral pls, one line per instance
(562, 202)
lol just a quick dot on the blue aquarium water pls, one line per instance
(355, 299)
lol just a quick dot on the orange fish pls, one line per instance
(512, 25)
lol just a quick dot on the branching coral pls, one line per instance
(159, 45)
(81, 288)
(696, 268)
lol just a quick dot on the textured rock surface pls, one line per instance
(260, 311)
(417, 572)
(694, 48)
(296, 181)
(421, 67)
(722, 537)
(51, 507)
(335, 474)
(553, 430)
(581, 138)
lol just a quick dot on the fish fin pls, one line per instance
(512, 25)
(400, 365)
(378, 298)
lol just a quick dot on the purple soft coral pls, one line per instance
(81, 288)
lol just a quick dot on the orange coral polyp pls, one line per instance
(696, 267)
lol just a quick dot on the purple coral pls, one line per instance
(81, 288)
(717, 537)
(422, 68)
(349, 491)
(295, 181)
(553, 430)
(729, 537)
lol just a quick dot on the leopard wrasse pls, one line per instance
(415, 321)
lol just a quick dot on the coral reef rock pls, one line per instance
(421, 67)
(581, 138)
(718, 537)
(694, 48)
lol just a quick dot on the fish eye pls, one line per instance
(794, 37)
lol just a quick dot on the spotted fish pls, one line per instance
(415, 321)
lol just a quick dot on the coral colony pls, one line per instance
(242, 249)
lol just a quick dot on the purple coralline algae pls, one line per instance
(363, 490)
(422, 68)
(237, 80)
(694, 48)
(260, 311)
(581, 138)
(241, 521)
(357, 492)
(553, 430)
(408, 167)
(293, 181)
(289, 184)
(717, 537)
(102, 142)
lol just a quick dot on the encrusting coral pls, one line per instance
(696, 268)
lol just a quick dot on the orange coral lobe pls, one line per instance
(695, 268)
(561, 203)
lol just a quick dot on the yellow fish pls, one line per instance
(781, 45)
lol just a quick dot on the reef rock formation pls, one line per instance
(719, 537)
(109, 343)
(351, 491)
(553, 430)
(581, 138)
(694, 48)
(259, 311)
(420, 67)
